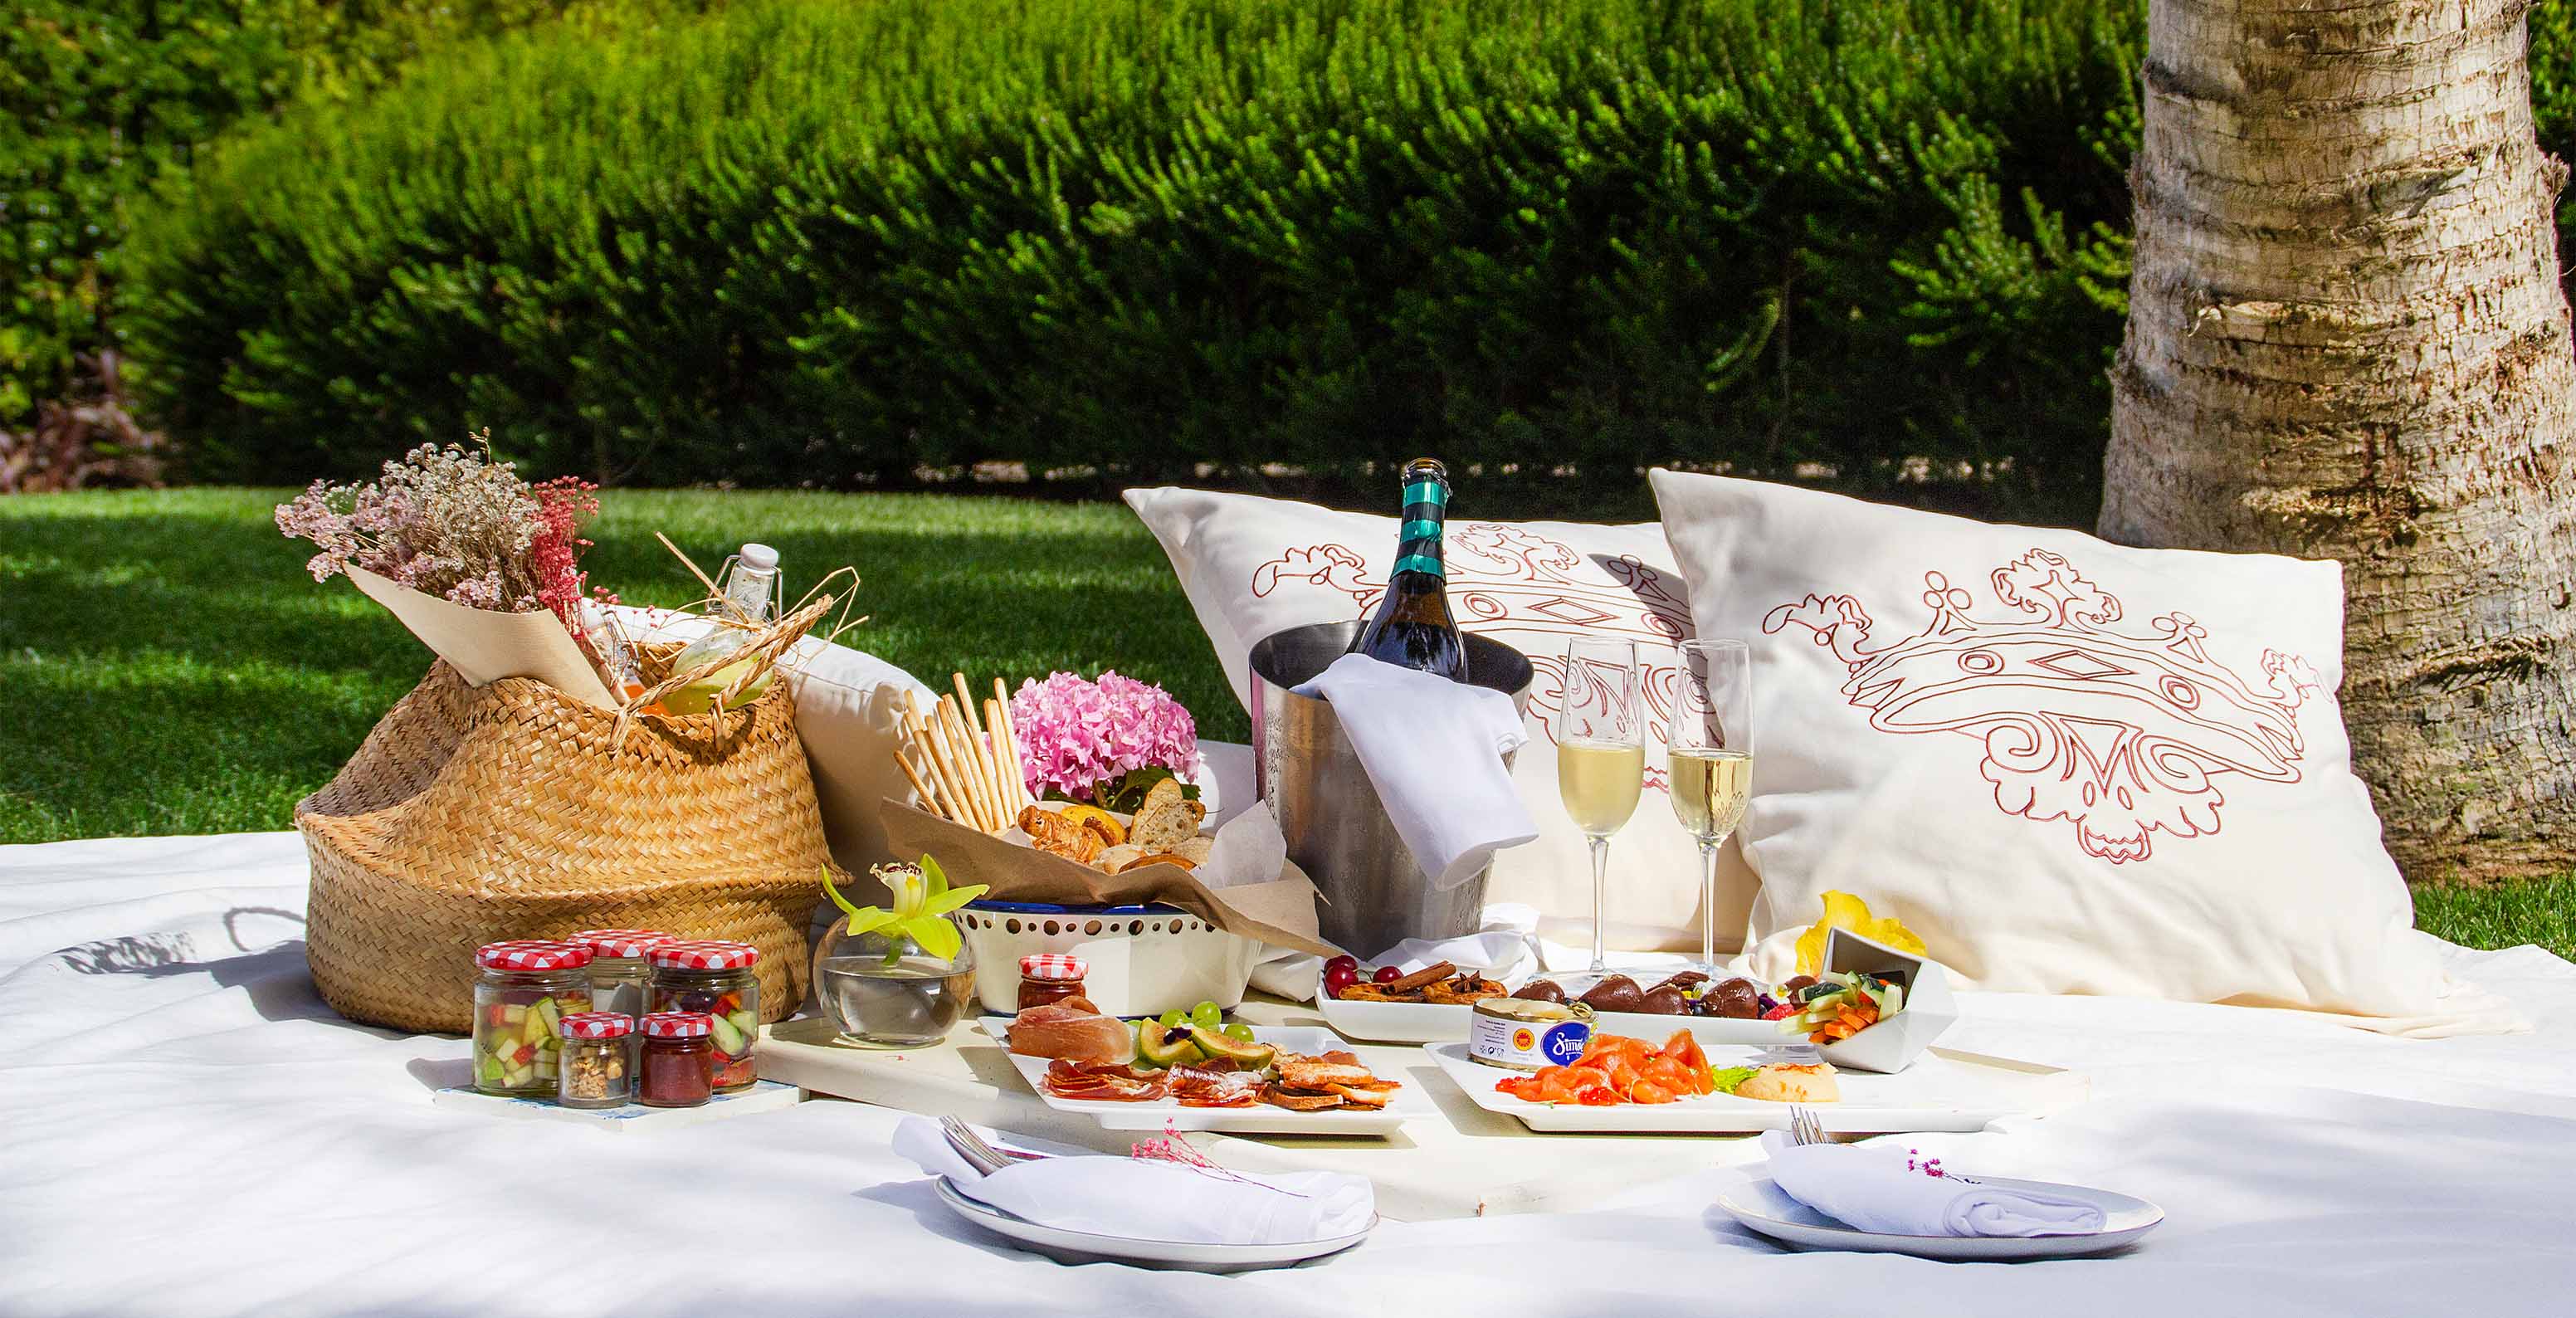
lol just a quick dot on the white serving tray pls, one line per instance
(1428, 1022)
(1260, 1118)
(1943, 1091)
(763, 1096)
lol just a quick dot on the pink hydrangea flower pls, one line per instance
(1074, 733)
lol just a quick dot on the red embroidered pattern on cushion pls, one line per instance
(2124, 735)
(1504, 578)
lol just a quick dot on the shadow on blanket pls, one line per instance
(267, 964)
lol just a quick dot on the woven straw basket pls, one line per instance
(475, 814)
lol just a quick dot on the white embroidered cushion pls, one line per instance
(1253, 566)
(2070, 766)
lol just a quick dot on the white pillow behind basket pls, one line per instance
(1253, 566)
(2070, 766)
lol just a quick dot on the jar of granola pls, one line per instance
(714, 978)
(598, 1060)
(678, 1068)
(527, 987)
(619, 976)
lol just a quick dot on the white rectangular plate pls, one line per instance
(1426, 1022)
(1944, 1091)
(1258, 1119)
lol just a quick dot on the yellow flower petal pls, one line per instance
(1845, 911)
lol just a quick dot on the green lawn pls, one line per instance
(170, 668)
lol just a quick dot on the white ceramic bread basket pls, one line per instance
(1143, 961)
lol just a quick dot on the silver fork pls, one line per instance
(973, 1148)
(1805, 1127)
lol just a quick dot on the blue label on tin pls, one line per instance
(1564, 1041)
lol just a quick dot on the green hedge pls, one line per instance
(99, 98)
(800, 243)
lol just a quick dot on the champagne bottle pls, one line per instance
(1412, 626)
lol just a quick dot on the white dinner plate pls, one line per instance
(1085, 1247)
(1944, 1091)
(1428, 1022)
(1258, 1119)
(1754, 1200)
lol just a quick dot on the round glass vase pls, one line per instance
(883, 990)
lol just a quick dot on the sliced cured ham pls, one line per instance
(1072, 1030)
(1103, 1082)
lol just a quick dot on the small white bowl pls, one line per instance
(1143, 960)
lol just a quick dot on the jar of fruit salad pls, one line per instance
(679, 1067)
(598, 1060)
(527, 987)
(714, 978)
(619, 977)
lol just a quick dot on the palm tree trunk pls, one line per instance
(2347, 338)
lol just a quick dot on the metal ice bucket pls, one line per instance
(1337, 831)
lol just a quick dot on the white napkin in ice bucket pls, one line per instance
(1887, 1190)
(1141, 1199)
(1434, 750)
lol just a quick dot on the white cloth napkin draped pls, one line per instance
(1140, 1199)
(1887, 1190)
(1434, 749)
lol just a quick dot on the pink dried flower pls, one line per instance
(1073, 732)
(452, 522)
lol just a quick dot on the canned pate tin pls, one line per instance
(1525, 1034)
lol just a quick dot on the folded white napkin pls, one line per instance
(1139, 1199)
(1889, 1191)
(1434, 749)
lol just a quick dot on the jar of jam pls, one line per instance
(714, 978)
(679, 1066)
(526, 988)
(619, 976)
(1049, 977)
(598, 1060)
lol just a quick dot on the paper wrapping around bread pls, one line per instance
(1279, 911)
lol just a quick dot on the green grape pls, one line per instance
(1239, 1031)
(1206, 1016)
(1175, 1019)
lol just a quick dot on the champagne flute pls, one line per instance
(1600, 754)
(1711, 757)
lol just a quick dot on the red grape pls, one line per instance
(1386, 975)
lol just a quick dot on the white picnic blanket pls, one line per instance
(185, 1129)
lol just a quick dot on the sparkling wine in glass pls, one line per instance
(1711, 758)
(1600, 754)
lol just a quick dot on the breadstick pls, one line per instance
(985, 769)
(1006, 757)
(921, 737)
(929, 799)
(1010, 732)
(978, 783)
(969, 804)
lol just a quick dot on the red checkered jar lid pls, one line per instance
(598, 1025)
(702, 954)
(677, 1025)
(1053, 966)
(532, 954)
(620, 942)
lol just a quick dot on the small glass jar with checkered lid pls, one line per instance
(598, 1060)
(619, 976)
(715, 978)
(678, 1067)
(526, 988)
(1050, 977)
